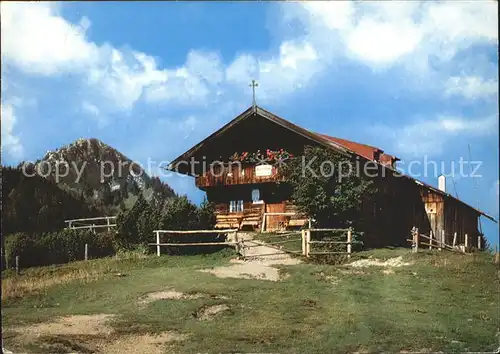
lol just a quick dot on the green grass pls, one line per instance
(442, 302)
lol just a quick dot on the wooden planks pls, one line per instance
(234, 175)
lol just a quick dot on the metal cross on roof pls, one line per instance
(253, 85)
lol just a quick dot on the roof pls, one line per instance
(367, 151)
(345, 147)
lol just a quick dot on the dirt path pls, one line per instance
(391, 262)
(257, 262)
(93, 333)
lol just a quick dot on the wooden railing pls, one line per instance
(158, 243)
(307, 242)
(92, 223)
(232, 175)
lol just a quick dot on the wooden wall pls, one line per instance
(250, 135)
(400, 205)
(462, 220)
(275, 199)
(233, 175)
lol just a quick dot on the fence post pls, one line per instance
(86, 251)
(479, 242)
(108, 223)
(466, 242)
(349, 241)
(416, 237)
(17, 265)
(308, 245)
(454, 239)
(158, 243)
(237, 242)
(412, 234)
(430, 240)
(441, 240)
(303, 236)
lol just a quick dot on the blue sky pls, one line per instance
(152, 79)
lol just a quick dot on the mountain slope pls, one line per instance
(100, 173)
(35, 204)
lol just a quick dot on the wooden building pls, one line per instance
(249, 194)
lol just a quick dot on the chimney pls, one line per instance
(442, 183)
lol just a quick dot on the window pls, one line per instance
(256, 196)
(236, 206)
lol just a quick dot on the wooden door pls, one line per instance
(275, 222)
(431, 210)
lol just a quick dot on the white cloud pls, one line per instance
(118, 79)
(39, 41)
(192, 83)
(430, 136)
(424, 39)
(205, 65)
(471, 87)
(459, 22)
(122, 77)
(242, 70)
(455, 125)
(181, 87)
(10, 142)
(335, 15)
(380, 42)
(292, 68)
(91, 109)
(94, 113)
(182, 127)
(387, 31)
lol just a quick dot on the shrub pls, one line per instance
(136, 226)
(57, 247)
(127, 222)
(179, 214)
(23, 245)
(330, 196)
(206, 215)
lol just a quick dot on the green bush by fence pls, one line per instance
(57, 247)
(134, 229)
(136, 226)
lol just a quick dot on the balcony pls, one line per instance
(233, 175)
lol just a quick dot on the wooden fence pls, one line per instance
(92, 223)
(272, 241)
(289, 214)
(17, 259)
(280, 242)
(307, 242)
(158, 234)
(432, 241)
